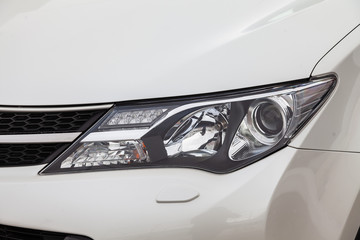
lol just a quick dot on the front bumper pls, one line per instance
(292, 194)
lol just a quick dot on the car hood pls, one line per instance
(80, 52)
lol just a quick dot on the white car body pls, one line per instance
(68, 53)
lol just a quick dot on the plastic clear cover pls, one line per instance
(219, 133)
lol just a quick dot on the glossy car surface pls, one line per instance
(66, 53)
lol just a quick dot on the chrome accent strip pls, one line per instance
(40, 138)
(54, 109)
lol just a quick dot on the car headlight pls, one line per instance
(218, 133)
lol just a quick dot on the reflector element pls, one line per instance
(199, 134)
(106, 154)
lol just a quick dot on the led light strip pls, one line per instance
(114, 135)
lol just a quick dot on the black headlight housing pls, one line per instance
(218, 133)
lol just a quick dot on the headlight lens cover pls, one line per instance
(218, 133)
